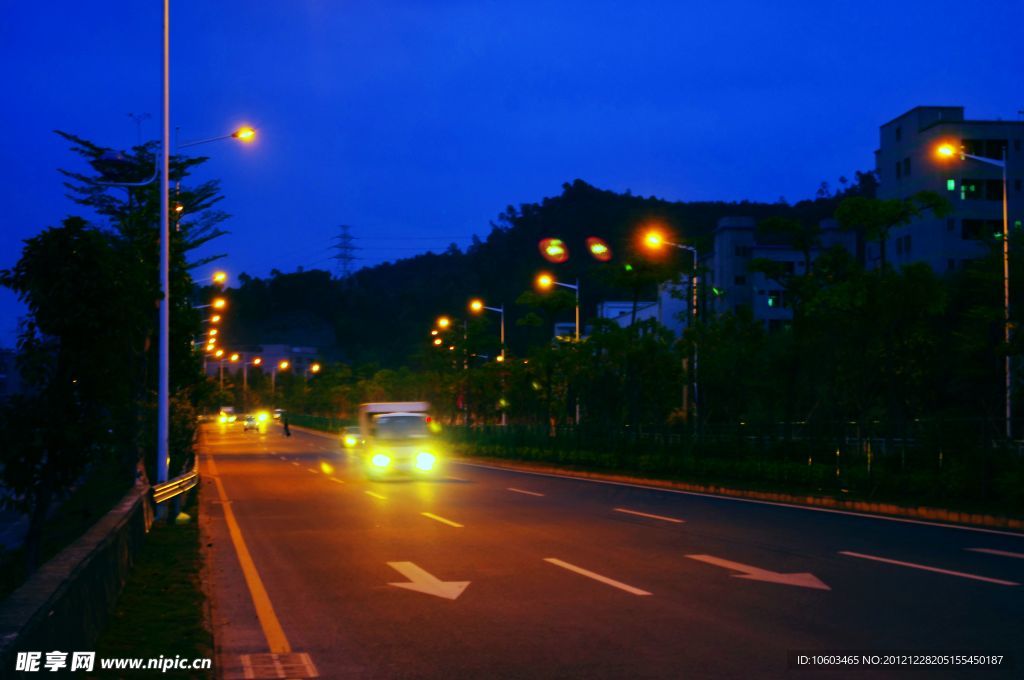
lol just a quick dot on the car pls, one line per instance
(351, 437)
(399, 441)
(278, 412)
(250, 423)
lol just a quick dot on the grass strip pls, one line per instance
(161, 611)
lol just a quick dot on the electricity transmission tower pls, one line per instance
(344, 251)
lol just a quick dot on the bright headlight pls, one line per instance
(350, 441)
(380, 460)
(425, 461)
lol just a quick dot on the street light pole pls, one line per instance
(163, 370)
(947, 150)
(546, 281)
(655, 240)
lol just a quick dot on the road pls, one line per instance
(491, 573)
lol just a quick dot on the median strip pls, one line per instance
(644, 514)
(924, 567)
(442, 520)
(597, 577)
(1000, 553)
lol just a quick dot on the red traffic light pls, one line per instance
(599, 249)
(554, 250)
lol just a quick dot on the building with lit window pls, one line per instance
(907, 163)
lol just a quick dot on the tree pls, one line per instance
(876, 217)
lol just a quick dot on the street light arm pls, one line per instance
(983, 159)
(205, 141)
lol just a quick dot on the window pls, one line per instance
(993, 190)
(743, 251)
(740, 280)
(986, 148)
(899, 133)
(973, 230)
(951, 224)
(950, 185)
(971, 189)
(899, 170)
(776, 298)
(906, 166)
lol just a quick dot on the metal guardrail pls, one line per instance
(178, 485)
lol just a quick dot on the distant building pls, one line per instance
(907, 163)
(299, 359)
(729, 283)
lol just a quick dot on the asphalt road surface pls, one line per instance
(491, 573)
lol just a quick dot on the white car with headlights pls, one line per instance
(400, 440)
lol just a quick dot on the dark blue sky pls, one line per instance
(417, 122)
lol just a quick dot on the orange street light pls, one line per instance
(244, 133)
(235, 357)
(283, 364)
(315, 368)
(219, 303)
(443, 322)
(219, 353)
(215, 318)
(178, 207)
(433, 331)
(476, 305)
(544, 281)
(213, 332)
(500, 358)
(257, 361)
(946, 150)
(220, 277)
(654, 240)
(437, 342)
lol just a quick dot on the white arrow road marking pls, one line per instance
(1001, 553)
(597, 577)
(924, 567)
(800, 579)
(422, 581)
(442, 520)
(528, 493)
(644, 514)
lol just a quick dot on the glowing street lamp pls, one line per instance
(438, 342)
(477, 306)
(235, 357)
(220, 277)
(219, 353)
(245, 134)
(215, 318)
(281, 366)
(546, 282)
(443, 322)
(947, 150)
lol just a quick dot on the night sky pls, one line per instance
(418, 122)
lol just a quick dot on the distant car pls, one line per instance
(351, 437)
(250, 423)
(277, 413)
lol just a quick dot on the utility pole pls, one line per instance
(345, 249)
